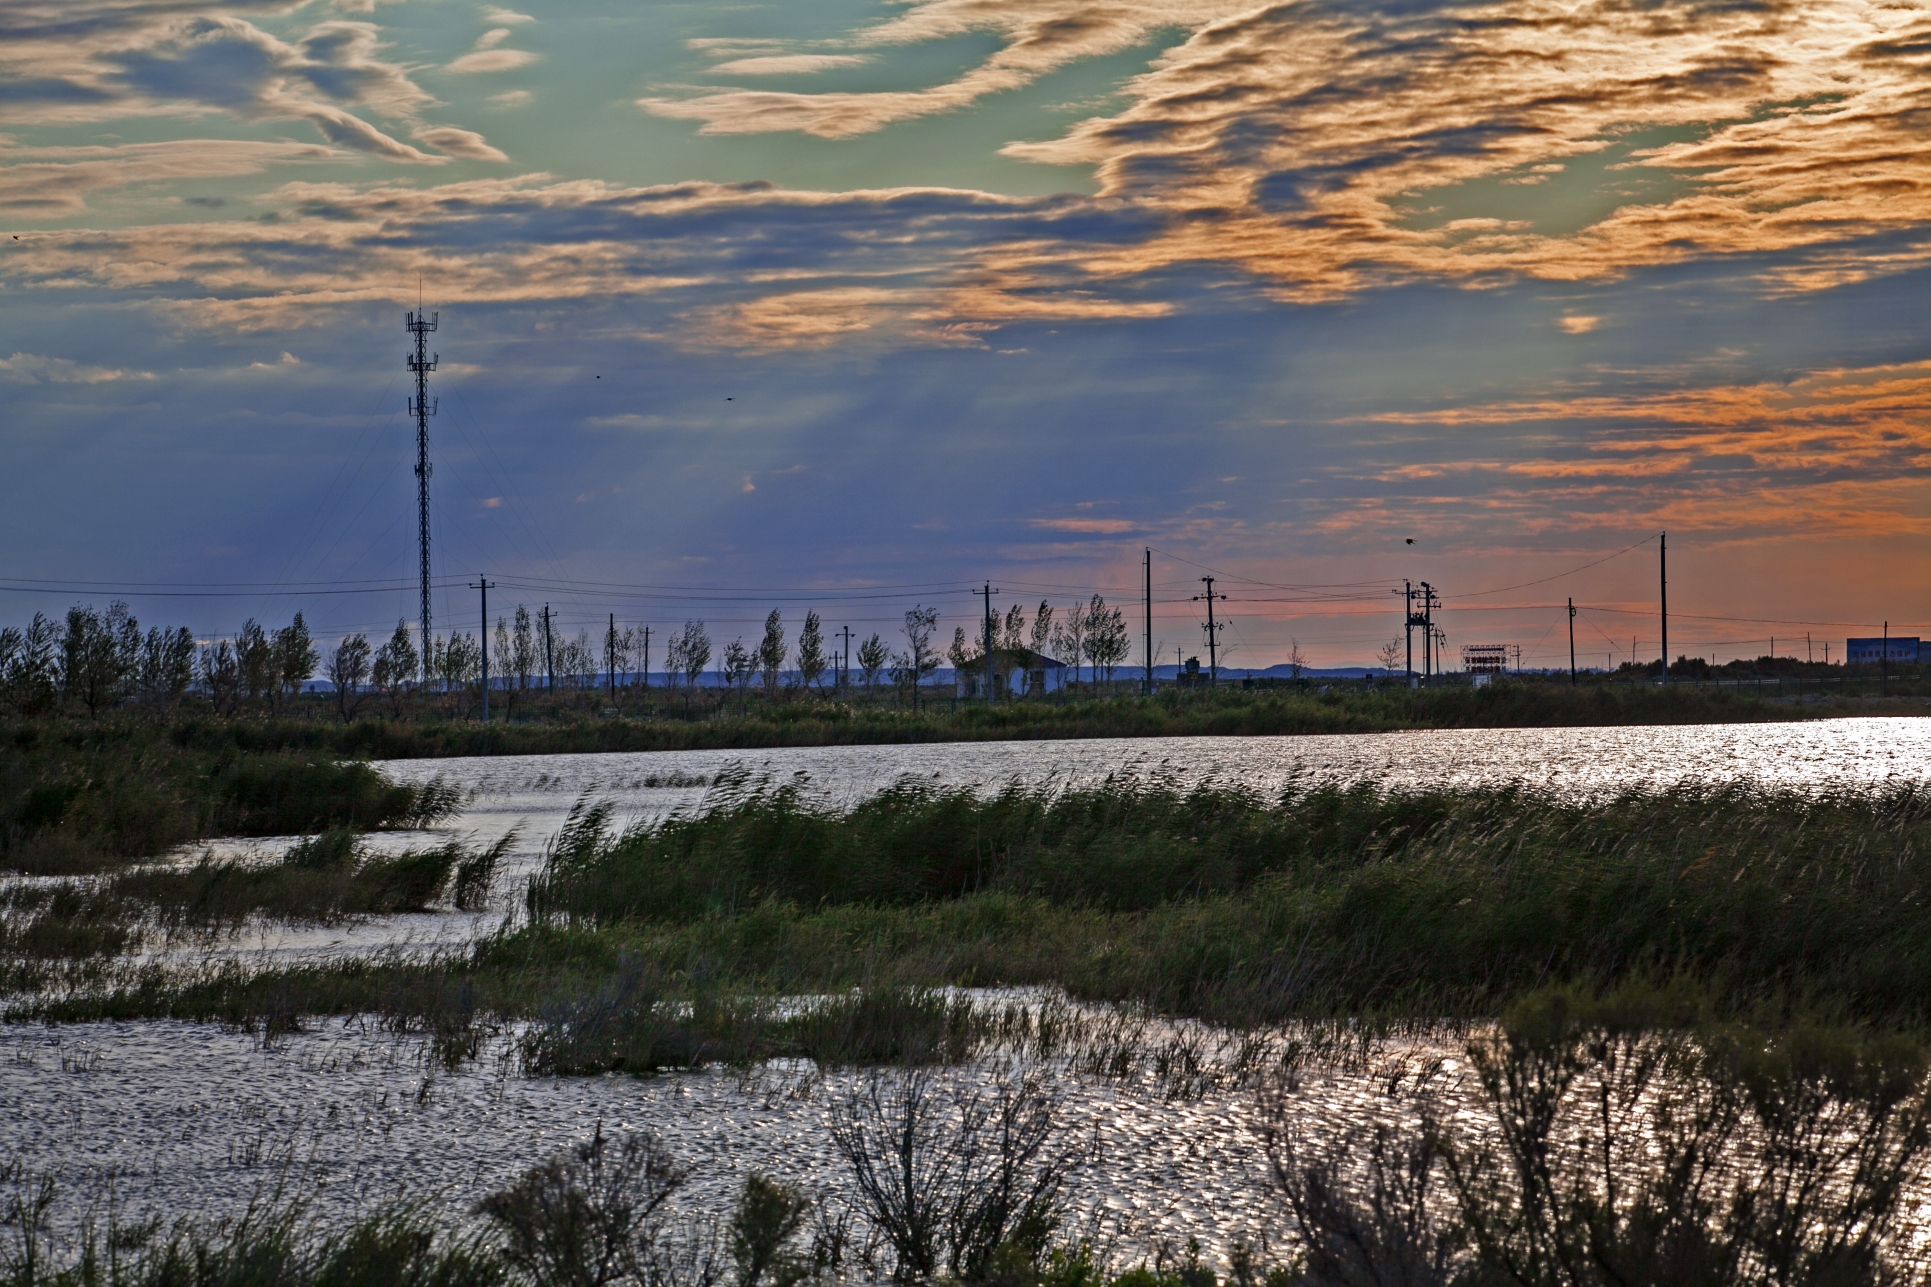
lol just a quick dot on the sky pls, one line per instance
(846, 305)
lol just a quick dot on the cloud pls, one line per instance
(1577, 323)
(93, 61)
(55, 182)
(1091, 526)
(789, 64)
(457, 142)
(506, 16)
(31, 368)
(486, 57)
(1037, 37)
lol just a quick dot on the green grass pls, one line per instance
(1332, 901)
(83, 796)
(1329, 904)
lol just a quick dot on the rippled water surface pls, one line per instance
(194, 1117)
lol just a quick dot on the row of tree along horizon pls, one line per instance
(93, 661)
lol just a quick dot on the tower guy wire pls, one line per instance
(421, 363)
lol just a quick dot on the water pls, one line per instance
(156, 1110)
(535, 792)
(170, 1109)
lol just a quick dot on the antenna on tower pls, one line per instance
(421, 363)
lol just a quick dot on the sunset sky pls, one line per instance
(850, 304)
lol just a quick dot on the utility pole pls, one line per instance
(1147, 688)
(421, 362)
(610, 657)
(1426, 620)
(1663, 577)
(1572, 643)
(989, 592)
(1213, 632)
(1807, 657)
(845, 664)
(646, 656)
(1408, 628)
(549, 654)
(1887, 659)
(485, 585)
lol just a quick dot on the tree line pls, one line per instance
(93, 661)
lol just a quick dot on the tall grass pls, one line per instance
(1212, 900)
(79, 797)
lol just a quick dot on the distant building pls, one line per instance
(1485, 659)
(1869, 651)
(1027, 673)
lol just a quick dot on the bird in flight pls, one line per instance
(1411, 540)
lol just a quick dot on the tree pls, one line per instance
(394, 667)
(771, 650)
(1390, 653)
(872, 657)
(295, 657)
(1042, 636)
(1069, 638)
(348, 669)
(29, 667)
(255, 656)
(523, 649)
(961, 654)
(1296, 659)
(1013, 638)
(695, 645)
(90, 664)
(167, 664)
(738, 664)
(220, 675)
(461, 664)
(505, 651)
(918, 660)
(812, 662)
(1108, 640)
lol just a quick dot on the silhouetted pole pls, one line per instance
(845, 662)
(1572, 643)
(646, 656)
(1148, 686)
(1663, 588)
(989, 592)
(485, 585)
(610, 657)
(549, 653)
(1887, 659)
(1213, 633)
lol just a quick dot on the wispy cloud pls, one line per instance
(32, 368)
(92, 61)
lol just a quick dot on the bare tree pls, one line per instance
(812, 662)
(1296, 659)
(1390, 653)
(919, 659)
(348, 670)
(952, 1174)
(873, 656)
